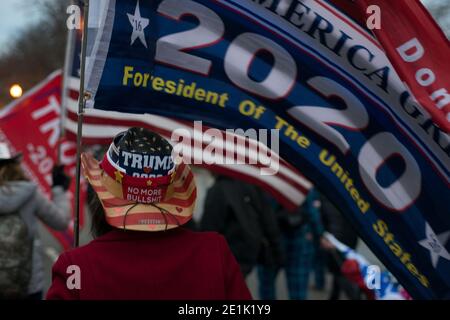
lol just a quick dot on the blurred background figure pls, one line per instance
(242, 213)
(336, 224)
(21, 204)
(301, 236)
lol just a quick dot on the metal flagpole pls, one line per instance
(81, 105)
(68, 60)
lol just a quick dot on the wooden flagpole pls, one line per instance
(81, 105)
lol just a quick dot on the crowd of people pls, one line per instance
(150, 247)
(269, 238)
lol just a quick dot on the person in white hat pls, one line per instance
(21, 205)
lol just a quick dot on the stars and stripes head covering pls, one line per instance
(139, 183)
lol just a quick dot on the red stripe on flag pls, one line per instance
(419, 52)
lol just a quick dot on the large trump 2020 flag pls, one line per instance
(286, 184)
(345, 118)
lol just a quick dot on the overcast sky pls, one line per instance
(15, 15)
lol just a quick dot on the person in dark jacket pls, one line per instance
(336, 224)
(141, 250)
(242, 213)
(301, 237)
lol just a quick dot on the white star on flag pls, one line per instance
(435, 244)
(139, 24)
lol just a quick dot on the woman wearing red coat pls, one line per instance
(141, 250)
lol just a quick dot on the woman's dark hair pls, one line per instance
(99, 226)
(11, 171)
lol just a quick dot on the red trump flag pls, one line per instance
(32, 125)
(419, 52)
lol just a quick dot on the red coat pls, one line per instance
(176, 264)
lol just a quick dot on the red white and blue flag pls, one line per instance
(346, 119)
(287, 185)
